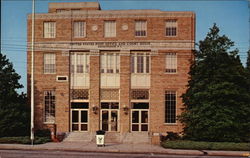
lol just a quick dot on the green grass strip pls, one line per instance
(196, 145)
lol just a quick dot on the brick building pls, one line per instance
(122, 71)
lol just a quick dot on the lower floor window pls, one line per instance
(170, 107)
(49, 102)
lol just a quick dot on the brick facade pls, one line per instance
(155, 42)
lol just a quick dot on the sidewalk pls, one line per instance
(119, 148)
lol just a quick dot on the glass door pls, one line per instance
(139, 120)
(79, 120)
(109, 116)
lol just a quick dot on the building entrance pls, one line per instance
(79, 117)
(109, 116)
(139, 117)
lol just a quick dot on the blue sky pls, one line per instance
(232, 17)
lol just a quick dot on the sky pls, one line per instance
(231, 16)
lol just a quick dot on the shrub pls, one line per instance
(43, 133)
(199, 145)
(170, 136)
(24, 140)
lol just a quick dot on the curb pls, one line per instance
(172, 152)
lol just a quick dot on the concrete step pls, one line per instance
(110, 137)
(79, 136)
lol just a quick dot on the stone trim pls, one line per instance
(112, 14)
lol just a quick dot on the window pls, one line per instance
(60, 10)
(140, 94)
(109, 28)
(171, 27)
(49, 29)
(110, 63)
(49, 103)
(170, 107)
(79, 63)
(171, 63)
(141, 28)
(49, 63)
(140, 63)
(79, 29)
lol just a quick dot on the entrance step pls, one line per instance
(137, 138)
(110, 137)
(79, 137)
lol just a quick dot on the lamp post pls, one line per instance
(32, 74)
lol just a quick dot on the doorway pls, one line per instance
(109, 116)
(139, 117)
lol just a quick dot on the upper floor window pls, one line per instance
(79, 29)
(171, 27)
(141, 28)
(49, 63)
(80, 63)
(60, 10)
(110, 63)
(49, 106)
(171, 63)
(49, 29)
(109, 29)
(170, 107)
(140, 63)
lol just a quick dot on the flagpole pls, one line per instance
(32, 74)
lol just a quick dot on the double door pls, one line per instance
(139, 120)
(109, 116)
(79, 120)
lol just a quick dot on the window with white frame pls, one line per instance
(171, 63)
(79, 63)
(141, 28)
(49, 29)
(140, 63)
(171, 27)
(49, 63)
(60, 10)
(109, 29)
(110, 63)
(79, 29)
(170, 107)
(49, 105)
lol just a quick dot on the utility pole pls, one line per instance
(32, 74)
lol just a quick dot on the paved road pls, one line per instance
(70, 154)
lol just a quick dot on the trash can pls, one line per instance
(100, 138)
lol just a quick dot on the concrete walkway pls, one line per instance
(120, 148)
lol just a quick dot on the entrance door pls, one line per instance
(139, 120)
(109, 116)
(79, 120)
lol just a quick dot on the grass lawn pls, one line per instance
(23, 140)
(185, 144)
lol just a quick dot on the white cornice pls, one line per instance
(112, 14)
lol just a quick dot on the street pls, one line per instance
(70, 154)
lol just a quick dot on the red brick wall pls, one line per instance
(160, 82)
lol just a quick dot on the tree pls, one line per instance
(248, 60)
(217, 101)
(14, 112)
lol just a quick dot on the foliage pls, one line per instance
(42, 133)
(23, 140)
(195, 145)
(217, 101)
(248, 60)
(14, 112)
(170, 136)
